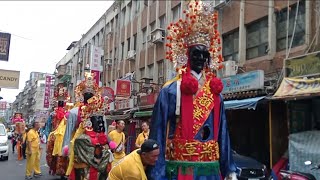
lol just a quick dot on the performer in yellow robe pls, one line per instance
(119, 138)
(132, 167)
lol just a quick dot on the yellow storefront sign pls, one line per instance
(294, 87)
(9, 79)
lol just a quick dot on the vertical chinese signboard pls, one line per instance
(96, 62)
(46, 101)
(4, 46)
(3, 105)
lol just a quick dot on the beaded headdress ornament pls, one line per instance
(61, 94)
(87, 86)
(199, 27)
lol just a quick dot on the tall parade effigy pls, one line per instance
(189, 118)
(85, 140)
(55, 129)
(19, 132)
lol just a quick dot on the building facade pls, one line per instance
(30, 101)
(256, 35)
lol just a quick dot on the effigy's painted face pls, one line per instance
(199, 56)
(61, 91)
(97, 124)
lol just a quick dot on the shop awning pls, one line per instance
(295, 88)
(250, 103)
(119, 117)
(142, 114)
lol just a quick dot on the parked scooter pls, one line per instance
(294, 175)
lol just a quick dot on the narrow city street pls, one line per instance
(15, 170)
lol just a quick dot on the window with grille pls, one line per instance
(281, 26)
(231, 46)
(257, 38)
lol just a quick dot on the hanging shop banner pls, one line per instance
(96, 76)
(123, 104)
(3, 105)
(306, 65)
(46, 101)
(9, 79)
(123, 88)
(149, 99)
(4, 46)
(252, 80)
(95, 58)
(294, 87)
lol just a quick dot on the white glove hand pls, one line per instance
(231, 176)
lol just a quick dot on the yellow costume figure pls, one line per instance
(79, 131)
(59, 133)
(33, 159)
(119, 139)
(142, 137)
(129, 168)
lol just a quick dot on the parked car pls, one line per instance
(4, 145)
(249, 168)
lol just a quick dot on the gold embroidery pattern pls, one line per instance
(192, 150)
(202, 106)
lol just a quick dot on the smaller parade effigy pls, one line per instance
(20, 130)
(85, 141)
(55, 129)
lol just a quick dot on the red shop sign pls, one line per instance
(149, 99)
(123, 88)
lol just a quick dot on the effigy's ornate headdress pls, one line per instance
(199, 27)
(95, 106)
(60, 94)
(87, 86)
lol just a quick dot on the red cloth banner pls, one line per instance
(46, 101)
(97, 76)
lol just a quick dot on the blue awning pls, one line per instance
(250, 103)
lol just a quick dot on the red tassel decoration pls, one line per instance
(216, 85)
(189, 85)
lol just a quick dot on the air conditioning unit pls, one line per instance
(109, 62)
(131, 55)
(221, 3)
(229, 69)
(149, 38)
(110, 31)
(158, 36)
(80, 61)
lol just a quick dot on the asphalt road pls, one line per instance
(15, 170)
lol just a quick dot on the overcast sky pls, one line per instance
(41, 31)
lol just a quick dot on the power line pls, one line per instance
(16, 35)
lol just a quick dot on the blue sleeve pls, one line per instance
(48, 126)
(163, 113)
(71, 124)
(227, 164)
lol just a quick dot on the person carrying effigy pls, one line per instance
(189, 120)
(85, 139)
(55, 128)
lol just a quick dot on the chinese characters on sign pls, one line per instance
(253, 80)
(46, 101)
(4, 46)
(95, 58)
(123, 104)
(307, 65)
(3, 105)
(95, 62)
(123, 88)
